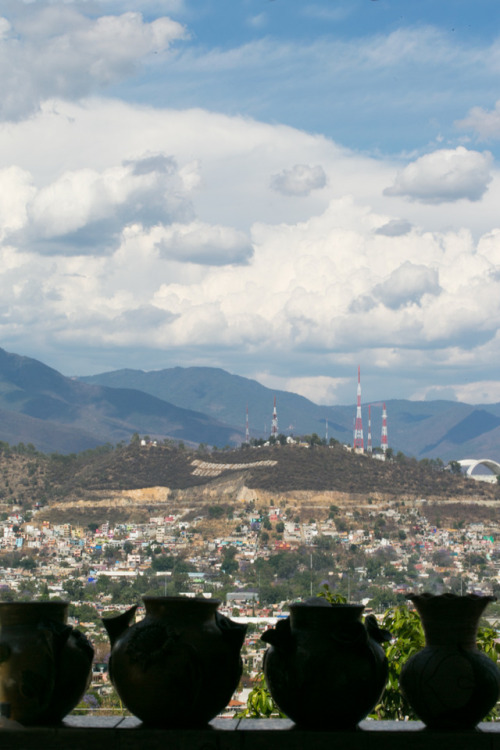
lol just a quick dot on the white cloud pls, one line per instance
(482, 392)
(85, 211)
(208, 245)
(394, 228)
(320, 389)
(486, 124)
(407, 284)
(443, 176)
(300, 180)
(161, 242)
(58, 51)
(16, 191)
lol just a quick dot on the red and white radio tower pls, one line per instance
(384, 443)
(247, 429)
(274, 424)
(358, 425)
(369, 438)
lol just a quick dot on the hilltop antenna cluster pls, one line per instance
(274, 423)
(369, 438)
(247, 428)
(383, 443)
(358, 425)
(359, 446)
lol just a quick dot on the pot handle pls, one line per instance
(380, 635)
(280, 637)
(232, 632)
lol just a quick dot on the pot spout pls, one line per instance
(116, 626)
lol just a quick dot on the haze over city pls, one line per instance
(286, 190)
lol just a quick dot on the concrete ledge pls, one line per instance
(112, 733)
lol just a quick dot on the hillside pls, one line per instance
(38, 405)
(134, 482)
(273, 469)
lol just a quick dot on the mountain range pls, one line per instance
(62, 414)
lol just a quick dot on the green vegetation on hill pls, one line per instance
(28, 477)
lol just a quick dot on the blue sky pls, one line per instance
(281, 188)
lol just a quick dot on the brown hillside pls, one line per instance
(113, 482)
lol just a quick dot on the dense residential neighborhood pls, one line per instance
(389, 548)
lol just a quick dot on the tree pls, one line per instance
(260, 704)
(28, 563)
(442, 558)
(229, 565)
(163, 562)
(455, 468)
(216, 511)
(313, 440)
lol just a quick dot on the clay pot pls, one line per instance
(449, 683)
(180, 665)
(324, 668)
(45, 665)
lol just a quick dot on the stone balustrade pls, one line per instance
(127, 733)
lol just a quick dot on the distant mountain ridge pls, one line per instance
(55, 413)
(62, 414)
(424, 429)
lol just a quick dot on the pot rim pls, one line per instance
(427, 596)
(58, 603)
(167, 599)
(328, 608)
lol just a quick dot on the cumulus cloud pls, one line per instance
(320, 389)
(85, 211)
(394, 228)
(300, 180)
(482, 392)
(171, 252)
(58, 51)
(204, 244)
(139, 319)
(407, 284)
(16, 192)
(443, 176)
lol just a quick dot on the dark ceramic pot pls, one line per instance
(449, 683)
(180, 665)
(324, 668)
(45, 665)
